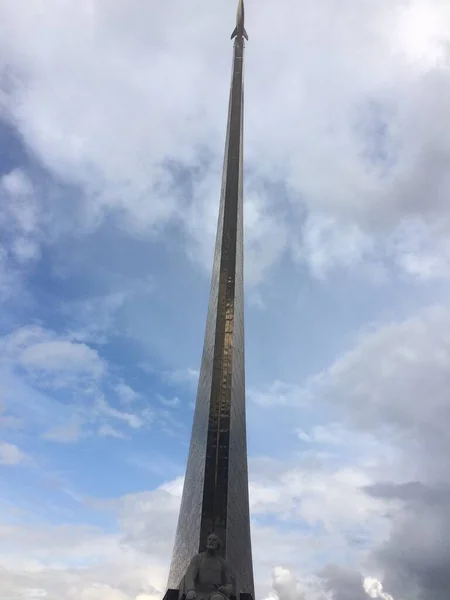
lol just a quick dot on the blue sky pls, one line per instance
(112, 125)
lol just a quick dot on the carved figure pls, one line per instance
(208, 576)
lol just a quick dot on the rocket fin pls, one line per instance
(235, 33)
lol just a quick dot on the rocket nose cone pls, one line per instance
(240, 13)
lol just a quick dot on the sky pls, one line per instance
(112, 129)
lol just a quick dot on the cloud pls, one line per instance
(20, 225)
(285, 585)
(68, 567)
(346, 168)
(62, 356)
(331, 583)
(19, 215)
(317, 494)
(66, 434)
(8, 421)
(375, 589)
(39, 350)
(345, 584)
(132, 560)
(169, 402)
(126, 393)
(415, 557)
(327, 243)
(75, 561)
(278, 393)
(132, 420)
(333, 434)
(182, 377)
(381, 136)
(74, 378)
(48, 360)
(17, 184)
(386, 404)
(11, 455)
(108, 431)
(412, 492)
(394, 383)
(383, 381)
(10, 277)
(94, 319)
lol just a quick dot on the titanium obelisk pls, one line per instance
(215, 495)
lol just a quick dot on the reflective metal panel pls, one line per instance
(215, 495)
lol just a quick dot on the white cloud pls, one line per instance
(332, 434)
(326, 243)
(422, 250)
(109, 431)
(44, 360)
(42, 350)
(74, 562)
(331, 499)
(62, 356)
(278, 393)
(132, 420)
(286, 585)
(374, 589)
(17, 184)
(11, 455)
(169, 402)
(126, 393)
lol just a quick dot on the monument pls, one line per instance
(212, 554)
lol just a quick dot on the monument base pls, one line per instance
(175, 595)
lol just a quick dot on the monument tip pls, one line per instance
(239, 30)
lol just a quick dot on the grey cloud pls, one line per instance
(344, 584)
(395, 383)
(413, 492)
(416, 558)
(331, 583)
(391, 388)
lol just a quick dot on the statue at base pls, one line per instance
(208, 576)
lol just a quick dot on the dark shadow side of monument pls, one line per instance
(212, 556)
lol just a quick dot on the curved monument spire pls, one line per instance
(215, 495)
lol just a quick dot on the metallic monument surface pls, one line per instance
(215, 495)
